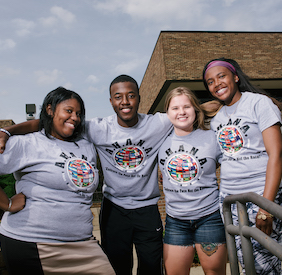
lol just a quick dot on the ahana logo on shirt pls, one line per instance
(78, 172)
(182, 168)
(81, 173)
(230, 139)
(231, 136)
(130, 157)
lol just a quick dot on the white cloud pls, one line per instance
(7, 44)
(3, 92)
(58, 14)
(92, 79)
(109, 5)
(228, 2)
(24, 27)
(4, 72)
(47, 77)
(158, 10)
(48, 21)
(95, 90)
(208, 15)
(63, 14)
(251, 15)
(128, 67)
(68, 85)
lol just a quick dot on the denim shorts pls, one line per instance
(208, 229)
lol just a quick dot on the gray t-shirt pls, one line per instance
(188, 166)
(129, 157)
(58, 179)
(239, 132)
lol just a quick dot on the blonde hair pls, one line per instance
(199, 122)
(211, 108)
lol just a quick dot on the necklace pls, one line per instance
(233, 111)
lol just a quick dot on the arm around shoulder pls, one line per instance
(17, 129)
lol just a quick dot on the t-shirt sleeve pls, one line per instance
(13, 157)
(267, 113)
(94, 129)
(87, 133)
(166, 124)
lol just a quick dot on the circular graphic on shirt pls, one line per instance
(129, 158)
(230, 140)
(182, 168)
(81, 173)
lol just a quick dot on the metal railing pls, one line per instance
(247, 232)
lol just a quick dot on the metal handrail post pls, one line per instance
(230, 239)
(247, 247)
(247, 232)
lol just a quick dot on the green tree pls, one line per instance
(7, 183)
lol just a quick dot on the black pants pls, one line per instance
(20, 257)
(121, 228)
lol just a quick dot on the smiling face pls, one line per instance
(182, 114)
(222, 84)
(125, 101)
(65, 118)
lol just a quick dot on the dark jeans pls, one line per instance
(20, 257)
(121, 228)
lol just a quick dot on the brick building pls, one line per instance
(180, 56)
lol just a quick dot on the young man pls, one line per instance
(128, 144)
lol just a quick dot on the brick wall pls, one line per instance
(182, 56)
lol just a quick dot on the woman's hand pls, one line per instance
(3, 140)
(18, 203)
(264, 221)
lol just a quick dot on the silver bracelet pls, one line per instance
(5, 131)
(10, 205)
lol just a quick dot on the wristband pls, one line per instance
(10, 205)
(5, 131)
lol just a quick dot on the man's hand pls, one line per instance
(3, 140)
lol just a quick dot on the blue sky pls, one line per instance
(83, 44)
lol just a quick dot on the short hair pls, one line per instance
(124, 78)
(199, 122)
(53, 98)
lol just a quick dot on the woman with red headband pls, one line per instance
(247, 124)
